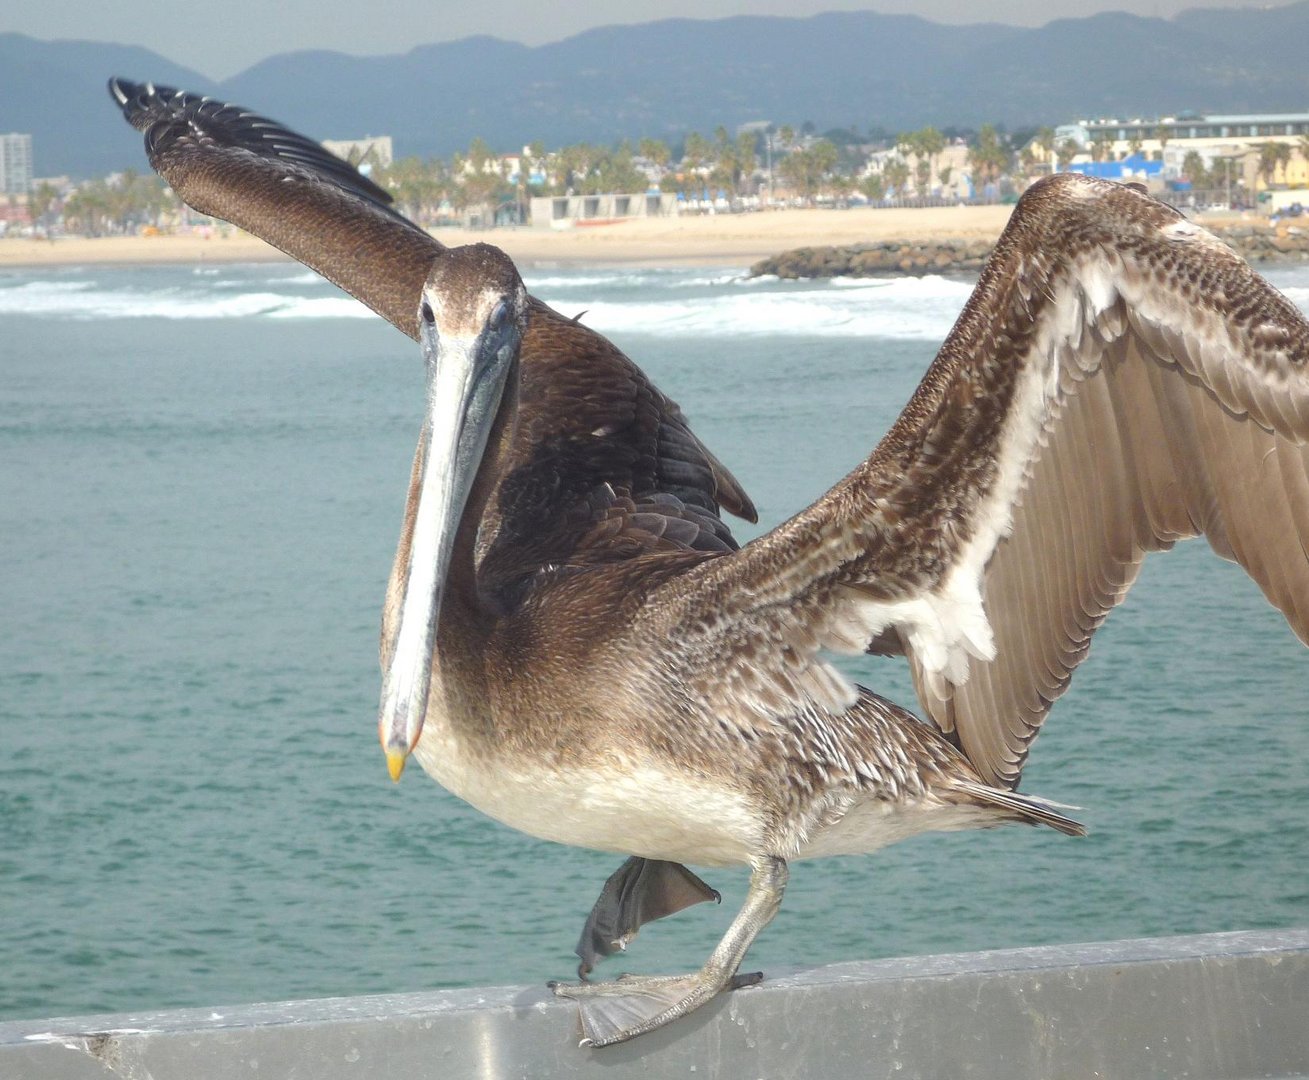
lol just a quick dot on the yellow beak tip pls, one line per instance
(395, 763)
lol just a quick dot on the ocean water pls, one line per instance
(203, 476)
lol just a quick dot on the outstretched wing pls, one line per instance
(604, 465)
(1119, 379)
(231, 163)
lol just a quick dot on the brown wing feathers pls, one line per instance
(1117, 380)
(1171, 383)
(243, 168)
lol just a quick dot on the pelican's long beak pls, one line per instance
(465, 381)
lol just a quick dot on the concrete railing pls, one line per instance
(1217, 1005)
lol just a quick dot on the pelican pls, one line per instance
(573, 643)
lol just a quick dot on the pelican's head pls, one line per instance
(471, 319)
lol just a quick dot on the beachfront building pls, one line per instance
(374, 150)
(949, 173)
(1237, 137)
(1197, 131)
(567, 211)
(15, 164)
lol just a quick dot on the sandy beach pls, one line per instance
(723, 240)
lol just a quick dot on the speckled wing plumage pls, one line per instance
(1118, 380)
(595, 436)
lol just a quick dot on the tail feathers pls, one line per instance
(1026, 808)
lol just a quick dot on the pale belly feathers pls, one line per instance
(651, 810)
(636, 809)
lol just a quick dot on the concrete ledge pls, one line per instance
(1211, 1006)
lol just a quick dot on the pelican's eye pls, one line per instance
(498, 316)
(427, 314)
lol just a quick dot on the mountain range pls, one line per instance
(663, 79)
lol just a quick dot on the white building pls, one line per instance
(15, 164)
(374, 148)
(1232, 137)
(568, 211)
(951, 163)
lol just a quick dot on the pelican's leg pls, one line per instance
(612, 1012)
(638, 892)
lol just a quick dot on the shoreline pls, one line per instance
(795, 242)
(722, 240)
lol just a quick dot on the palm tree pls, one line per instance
(1193, 169)
(747, 157)
(414, 184)
(657, 153)
(43, 197)
(1045, 140)
(989, 158)
(696, 154)
(806, 170)
(930, 143)
(873, 187)
(615, 171)
(906, 145)
(532, 161)
(725, 170)
(575, 163)
(453, 189)
(1163, 133)
(85, 209)
(922, 174)
(1271, 155)
(1066, 151)
(896, 174)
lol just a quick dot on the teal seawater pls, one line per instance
(202, 482)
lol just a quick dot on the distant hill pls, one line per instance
(55, 91)
(666, 78)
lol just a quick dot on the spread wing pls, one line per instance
(604, 465)
(1118, 380)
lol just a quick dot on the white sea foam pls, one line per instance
(729, 277)
(920, 312)
(717, 302)
(84, 300)
(87, 300)
(675, 303)
(302, 277)
(1299, 297)
(322, 307)
(579, 281)
(634, 279)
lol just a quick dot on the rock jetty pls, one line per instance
(876, 259)
(1259, 243)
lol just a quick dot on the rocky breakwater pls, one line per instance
(1257, 242)
(1287, 241)
(879, 258)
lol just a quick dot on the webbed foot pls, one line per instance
(638, 892)
(613, 1012)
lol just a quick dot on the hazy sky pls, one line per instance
(222, 38)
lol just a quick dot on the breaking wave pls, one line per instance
(682, 303)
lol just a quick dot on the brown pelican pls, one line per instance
(572, 642)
